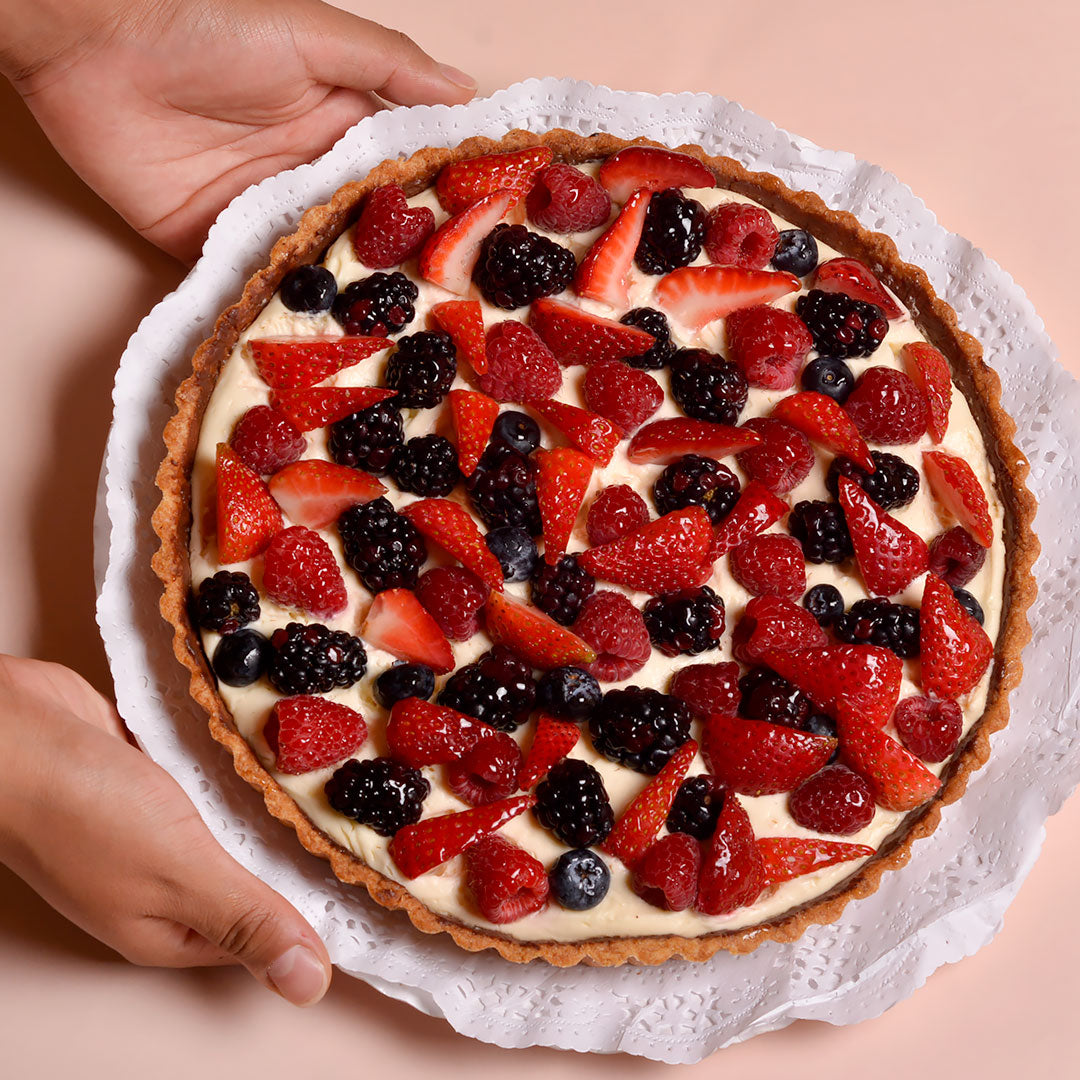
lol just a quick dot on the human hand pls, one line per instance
(111, 841)
(169, 108)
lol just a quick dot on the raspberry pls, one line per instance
(892, 484)
(378, 792)
(673, 232)
(506, 882)
(611, 624)
(930, 729)
(770, 565)
(376, 306)
(384, 548)
(782, 460)
(697, 805)
(388, 230)
(694, 480)
(300, 571)
(564, 200)
(707, 386)
(886, 407)
(764, 695)
(834, 800)
(309, 732)
(769, 345)
(573, 803)
(516, 267)
(626, 396)
(487, 772)
(738, 234)
(616, 511)
(226, 602)
(879, 622)
(521, 368)
(266, 441)
(454, 597)
(639, 728)
(956, 556)
(560, 590)
(666, 876)
(652, 322)
(708, 688)
(770, 622)
(497, 689)
(821, 530)
(687, 622)
(840, 326)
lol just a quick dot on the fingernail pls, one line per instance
(457, 77)
(299, 976)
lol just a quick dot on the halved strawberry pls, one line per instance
(929, 371)
(461, 183)
(399, 624)
(603, 274)
(665, 441)
(553, 739)
(537, 639)
(562, 479)
(698, 295)
(857, 280)
(463, 320)
(755, 511)
(787, 857)
(772, 622)
(449, 256)
(889, 554)
(653, 168)
(317, 406)
(308, 732)
(732, 870)
(316, 493)
(594, 434)
(824, 421)
(422, 733)
(897, 778)
(247, 517)
(452, 527)
(473, 415)
(576, 337)
(754, 757)
(295, 363)
(955, 649)
(954, 482)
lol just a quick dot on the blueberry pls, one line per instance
(240, 658)
(820, 724)
(569, 693)
(515, 550)
(517, 430)
(825, 603)
(830, 377)
(970, 604)
(580, 879)
(309, 288)
(403, 681)
(796, 252)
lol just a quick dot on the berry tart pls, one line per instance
(595, 550)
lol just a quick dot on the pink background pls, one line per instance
(960, 101)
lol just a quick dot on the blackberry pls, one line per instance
(970, 605)
(310, 289)
(880, 622)
(502, 490)
(497, 689)
(240, 658)
(840, 326)
(765, 695)
(368, 439)
(893, 483)
(687, 622)
(560, 590)
(579, 879)
(796, 252)
(309, 658)
(378, 792)
(822, 531)
(377, 305)
(421, 369)
(226, 602)
(697, 807)
(517, 266)
(568, 693)
(517, 430)
(707, 386)
(572, 802)
(829, 376)
(673, 233)
(694, 480)
(427, 466)
(825, 603)
(384, 548)
(639, 728)
(652, 322)
(404, 681)
(515, 550)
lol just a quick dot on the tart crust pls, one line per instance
(980, 385)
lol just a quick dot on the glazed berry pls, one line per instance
(497, 689)
(740, 234)
(379, 792)
(502, 490)
(518, 430)
(454, 597)
(708, 688)
(829, 376)
(796, 252)
(240, 658)
(404, 681)
(377, 305)
(686, 623)
(616, 511)
(822, 724)
(667, 873)
(385, 549)
(673, 233)
(615, 628)
(388, 230)
(825, 603)
(930, 729)
(887, 407)
(560, 590)
(879, 622)
(266, 441)
(517, 266)
(764, 695)
(782, 460)
(564, 200)
(520, 367)
(694, 480)
(301, 572)
(970, 605)
(956, 556)
(310, 289)
(226, 602)
(834, 800)
(309, 658)
(894, 483)
(840, 326)
(516, 551)
(697, 805)
(573, 803)
(768, 344)
(769, 564)
(652, 322)
(622, 394)
(579, 879)
(822, 531)
(568, 693)
(421, 369)
(639, 728)
(486, 772)
(707, 386)
(368, 439)
(426, 466)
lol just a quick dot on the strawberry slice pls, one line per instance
(824, 421)
(318, 406)
(889, 554)
(665, 441)
(732, 870)
(955, 484)
(460, 184)
(956, 650)
(247, 517)
(929, 371)
(562, 479)
(452, 527)
(421, 733)
(857, 280)
(771, 622)
(309, 732)
(754, 757)
(552, 740)
(787, 857)
(603, 274)
(698, 295)
(316, 493)
(645, 816)
(755, 511)
(296, 363)
(449, 256)
(576, 337)
(399, 624)
(537, 639)
(473, 415)
(653, 168)
(418, 848)
(463, 320)
(897, 778)
(594, 434)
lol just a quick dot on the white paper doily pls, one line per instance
(950, 899)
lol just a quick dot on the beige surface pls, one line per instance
(950, 107)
